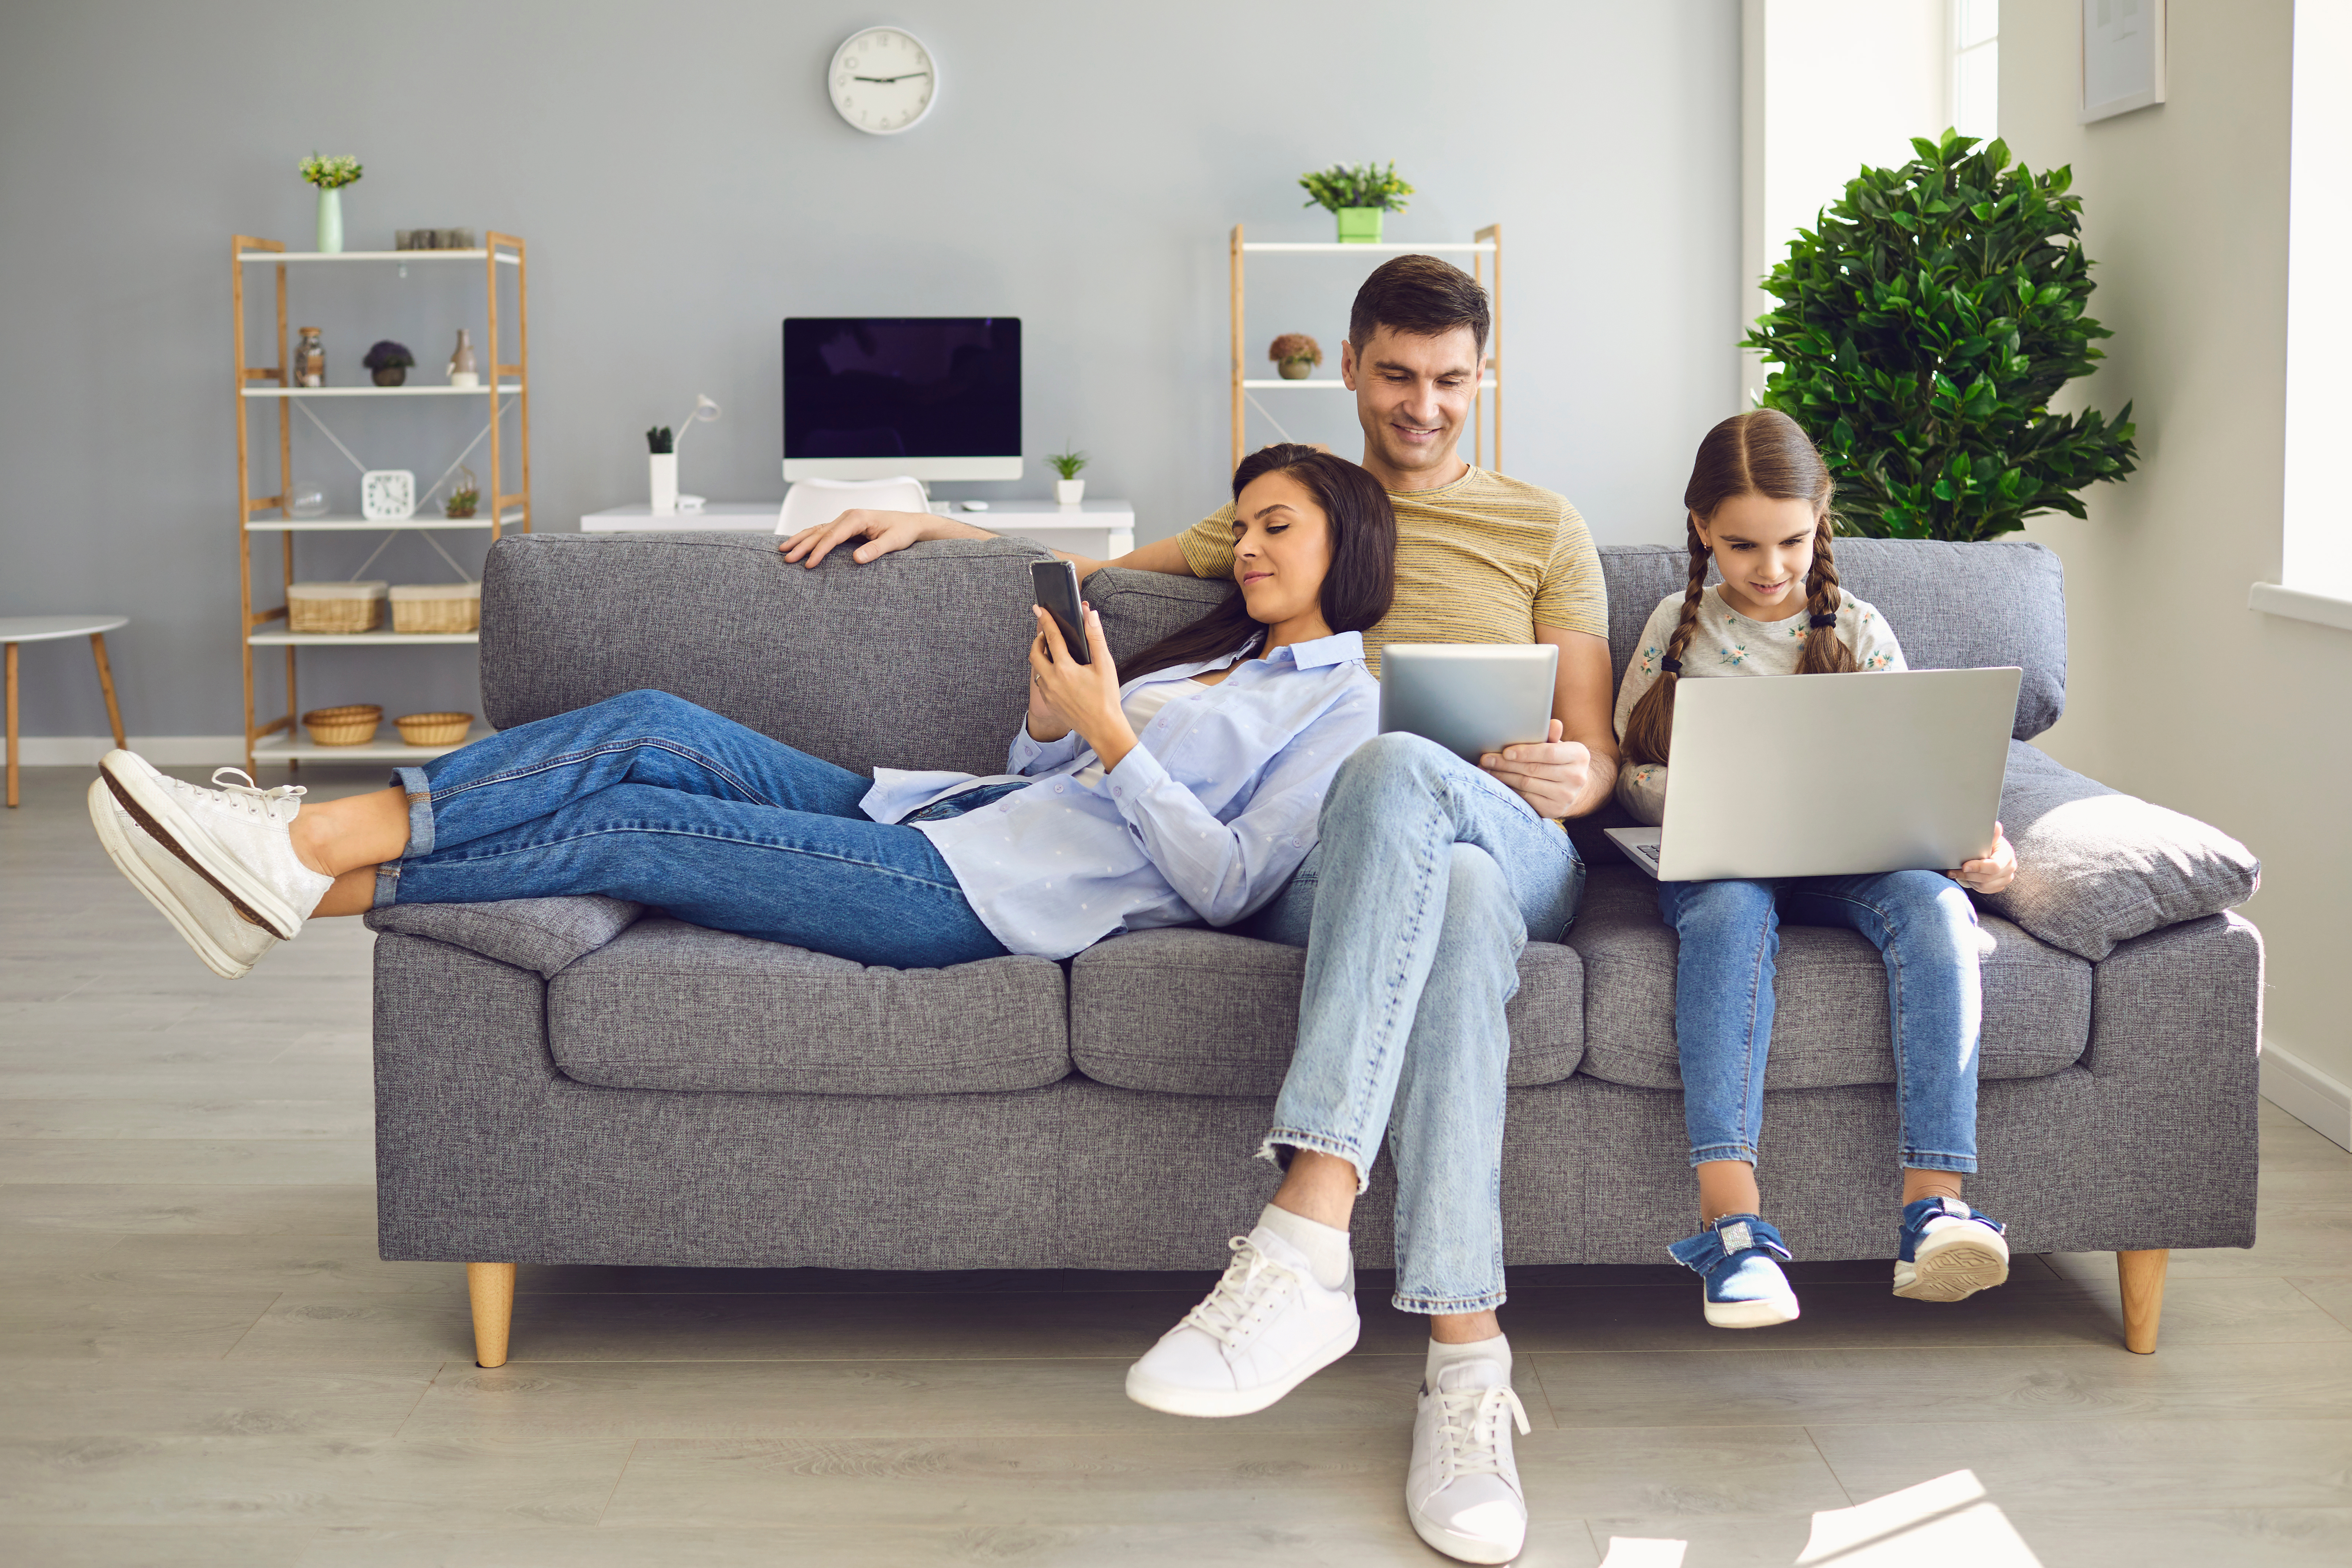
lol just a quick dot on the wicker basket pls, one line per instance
(436, 607)
(434, 728)
(351, 726)
(334, 606)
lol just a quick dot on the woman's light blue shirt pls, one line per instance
(1204, 819)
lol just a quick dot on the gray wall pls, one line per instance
(684, 185)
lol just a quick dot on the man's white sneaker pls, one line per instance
(229, 943)
(1462, 1489)
(233, 835)
(1266, 1329)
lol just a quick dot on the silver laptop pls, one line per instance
(1830, 775)
(1471, 698)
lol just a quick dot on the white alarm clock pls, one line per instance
(883, 81)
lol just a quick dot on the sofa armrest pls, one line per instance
(547, 934)
(2096, 867)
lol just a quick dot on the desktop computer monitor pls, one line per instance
(871, 397)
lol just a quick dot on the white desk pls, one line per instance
(1099, 530)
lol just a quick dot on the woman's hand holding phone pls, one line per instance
(1065, 694)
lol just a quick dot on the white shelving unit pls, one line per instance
(505, 388)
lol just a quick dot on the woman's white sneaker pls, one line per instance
(229, 943)
(1462, 1489)
(1266, 1329)
(233, 835)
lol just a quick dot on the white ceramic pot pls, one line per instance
(661, 471)
(1069, 492)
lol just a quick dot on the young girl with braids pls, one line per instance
(1758, 504)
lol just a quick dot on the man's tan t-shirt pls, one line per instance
(1483, 559)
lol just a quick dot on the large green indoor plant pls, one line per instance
(1921, 332)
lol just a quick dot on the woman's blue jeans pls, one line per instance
(1925, 928)
(649, 798)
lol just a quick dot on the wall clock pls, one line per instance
(883, 80)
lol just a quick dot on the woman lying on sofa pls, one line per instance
(1189, 792)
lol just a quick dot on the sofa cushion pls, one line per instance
(2095, 866)
(1831, 1027)
(1190, 1012)
(541, 934)
(672, 1005)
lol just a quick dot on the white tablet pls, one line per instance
(1471, 698)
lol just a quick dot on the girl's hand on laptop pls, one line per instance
(1993, 873)
(1084, 697)
(1551, 777)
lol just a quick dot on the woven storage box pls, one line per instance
(434, 728)
(351, 726)
(334, 606)
(437, 606)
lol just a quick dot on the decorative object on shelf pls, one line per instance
(388, 362)
(334, 606)
(434, 728)
(305, 498)
(661, 471)
(1931, 404)
(331, 175)
(433, 239)
(464, 495)
(353, 724)
(436, 607)
(309, 357)
(1296, 355)
(883, 81)
(1069, 489)
(462, 372)
(387, 494)
(1356, 194)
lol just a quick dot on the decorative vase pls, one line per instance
(391, 375)
(1069, 492)
(1360, 225)
(462, 372)
(1296, 370)
(331, 222)
(661, 470)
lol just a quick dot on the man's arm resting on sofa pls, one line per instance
(885, 532)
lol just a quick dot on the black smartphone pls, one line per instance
(1056, 583)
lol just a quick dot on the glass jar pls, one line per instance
(309, 358)
(306, 499)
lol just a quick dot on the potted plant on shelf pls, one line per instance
(1356, 194)
(331, 175)
(1069, 489)
(1296, 355)
(389, 362)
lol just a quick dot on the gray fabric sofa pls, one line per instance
(584, 1080)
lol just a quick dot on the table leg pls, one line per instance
(12, 723)
(106, 685)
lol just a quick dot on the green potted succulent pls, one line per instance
(389, 362)
(1921, 332)
(1294, 355)
(1069, 489)
(331, 175)
(1356, 194)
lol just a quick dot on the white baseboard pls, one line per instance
(167, 750)
(2307, 1095)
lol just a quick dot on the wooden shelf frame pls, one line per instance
(1486, 252)
(506, 385)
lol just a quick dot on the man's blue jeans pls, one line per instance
(1924, 925)
(1427, 881)
(649, 798)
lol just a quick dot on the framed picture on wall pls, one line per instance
(2123, 56)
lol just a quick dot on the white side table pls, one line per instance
(1099, 530)
(16, 629)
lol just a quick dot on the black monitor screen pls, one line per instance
(902, 386)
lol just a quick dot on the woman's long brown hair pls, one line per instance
(1760, 453)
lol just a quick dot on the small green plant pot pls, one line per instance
(1296, 370)
(1361, 226)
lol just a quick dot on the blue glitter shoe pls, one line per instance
(1735, 1257)
(1950, 1251)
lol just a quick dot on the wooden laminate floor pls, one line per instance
(203, 1362)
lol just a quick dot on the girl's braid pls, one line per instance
(1650, 728)
(1826, 653)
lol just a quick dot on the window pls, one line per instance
(1976, 68)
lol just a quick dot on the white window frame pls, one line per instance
(1985, 50)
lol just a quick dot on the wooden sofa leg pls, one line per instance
(2141, 1274)
(491, 1286)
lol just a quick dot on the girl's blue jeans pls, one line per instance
(1922, 923)
(649, 798)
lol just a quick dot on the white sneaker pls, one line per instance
(233, 836)
(1462, 1489)
(228, 942)
(1265, 1330)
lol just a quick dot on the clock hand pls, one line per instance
(901, 77)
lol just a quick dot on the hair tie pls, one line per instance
(1671, 666)
(1820, 621)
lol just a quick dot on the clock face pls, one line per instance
(883, 80)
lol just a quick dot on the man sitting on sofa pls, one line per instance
(1430, 877)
